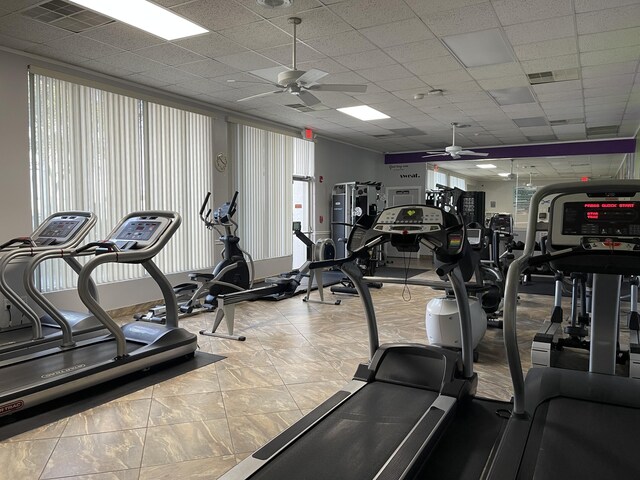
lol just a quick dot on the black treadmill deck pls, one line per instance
(357, 439)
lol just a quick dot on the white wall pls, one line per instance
(337, 162)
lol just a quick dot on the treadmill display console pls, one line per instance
(137, 231)
(412, 219)
(620, 218)
(59, 230)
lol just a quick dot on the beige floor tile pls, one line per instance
(241, 456)
(223, 346)
(310, 395)
(25, 460)
(254, 358)
(203, 380)
(345, 351)
(131, 474)
(200, 469)
(308, 372)
(186, 408)
(347, 368)
(97, 453)
(249, 377)
(293, 356)
(51, 430)
(137, 395)
(170, 444)
(111, 417)
(283, 342)
(251, 432)
(258, 400)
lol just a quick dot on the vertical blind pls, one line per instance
(113, 154)
(265, 169)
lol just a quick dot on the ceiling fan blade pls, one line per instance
(311, 76)
(435, 154)
(338, 87)
(259, 95)
(470, 152)
(308, 99)
(230, 82)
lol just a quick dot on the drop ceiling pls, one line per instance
(587, 50)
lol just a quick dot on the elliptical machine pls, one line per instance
(231, 274)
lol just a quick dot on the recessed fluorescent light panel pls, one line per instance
(486, 165)
(145, 16)
(512, 96)
(504, 174)
(363, 112)
(477, 49)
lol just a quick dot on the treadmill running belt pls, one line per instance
(356, 439)
(579, 439)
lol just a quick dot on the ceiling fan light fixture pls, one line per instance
(435, 92)
(274, 3)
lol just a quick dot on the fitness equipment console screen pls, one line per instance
(59, 230)
(601, 218)
(139, 232)
(412, 219)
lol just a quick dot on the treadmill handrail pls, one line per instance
(78, 236)
(144, 257)
(522, 262)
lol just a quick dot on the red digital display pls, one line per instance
(593, 215)
(609, 205)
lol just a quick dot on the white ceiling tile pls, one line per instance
(422, 7)
(170, 76)
(541, 30)
(568, 104)
(216, 15)
(367, 13)
(24, 28)
(398, 33)
(62, 55)
(609, 69)
(85, 47)
(627, 37)
(208, 68)
(433, 65)
(122, 36)
(612, 81)
(550, 63)
(531, 131)
(325, 64)
(547, 48)
(467, 97)
(504, 82)
(564, 114)
(247, 61)
(318, 22)
(520, 110)
(568, 95)
(131, 61)
(389, 72)
(556, 87)
(344, 77)
(495, 71)
(606, 91)
(369, 98)
(370, 59)
(169, 54)
(617, 108)
(609, 19)
(402, 84)
(16, 43)
(520, 11)
(111, 70)
(283, 54)
(294, 8)
(211, 45)
(607, 99)
(417, 51)
(462, 20)
(441, 80)
(615, 55)
(257, 35)
(460, 87)
(591, 5)
(341, 43)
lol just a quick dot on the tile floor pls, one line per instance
(200, 424)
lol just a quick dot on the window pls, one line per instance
(113, 154)
(457, 182)
(265, 170)
(443, 178)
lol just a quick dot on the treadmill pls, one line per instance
(388, 420)
(569, 423)
(61, 230)
(41, 376)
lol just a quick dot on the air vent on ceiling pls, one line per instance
(65, 15)
(606, 130)
(542, 138)
(561, 75)
(569, 121)
(387, 135)
(305, 108)
(408, 132)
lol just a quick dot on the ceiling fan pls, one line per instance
(455, 151)
(301, 83)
